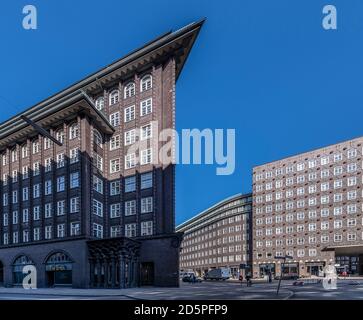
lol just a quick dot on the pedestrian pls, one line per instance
(248, 279)
(269, 277)
(241, 278)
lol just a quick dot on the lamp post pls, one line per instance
(282, 266)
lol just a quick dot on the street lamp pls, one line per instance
(282, 266)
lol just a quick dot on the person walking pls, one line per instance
(241, 278)
(248, 279)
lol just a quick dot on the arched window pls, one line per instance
(114, 97)
(97, 137)
(60, 135)
(73, 131)
(100, 103)
(129, 90)
(18, 266)
(59, 269)
(146, 83)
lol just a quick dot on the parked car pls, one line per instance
(218, 274)
(191, 278)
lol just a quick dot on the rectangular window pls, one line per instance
(75, 228)
(60, 184)
(97, 230)
(115, 142)
(115, 210)
(48, 165)
(99, 162)
(146, 107)
(48, 210)
(130, 207)
(130, 161)
(97, 208)
(129, 113)
(15, 196)
(36, 234)
(146, 228)
(36, 213)
(146, 180)
(146, 156)
(74, 155)
(61, 207)
(146, 132)
(146, 205)
(115, 188)
(48, 232)
(61, 230)
(130, 137)
(98, 184)
(115, 119)
(15, 217)
(36, 169)
(130, 230)
(36, 190)
(25, 215)
(115, 165)
(25, 236)
(74, 204)
(25, 172)
(115, 231)
(48, 187)
(130, 184)
(60, 160)
(74, 180)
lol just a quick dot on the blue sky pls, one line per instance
(266, 68)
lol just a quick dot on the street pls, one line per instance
(211, 290)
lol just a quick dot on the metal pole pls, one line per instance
(282, 266)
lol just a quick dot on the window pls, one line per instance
(97, 230)
(24, 151)
(97, 138)
(146, 180)
(338, 224)
(115, 210)
(146, 205)
(74, 204)
(15, 217)
(115, 119)
(338, 237)
(61, 207)
(352, 153)
(15, 237)
(36, 190)
(100, 103)
(73, 131)
(74, 180)
(61, 230)
(115, 231)
(97, 208)
(48, 232)
(60, 160)
(146, 228)
(146, 132)
(47, 143)
(14, 155)
(5, 199)
(130, 137)
(129, 90)
(115, 188)
(115, 142)
(146, 156)
(48, 187)
(99, 162)
(60, 136)
(351, 237)
(36, 169)
(115, 165)
(130, 230)
(48, 165)
(324, 161)
(25, 172)
(114, 97)
(48, 210)
(35, 147)
(130, 184)
(36, 213)
(352, 167)
(36, 234)
(98, 184)
(15, 196)
(146, 83)
(130, 208)
(146, 107)
(75, 228)
(74, 155)
(25, 215)
(130, 161)
(129, 113)
(25, 194)
(338, 157)
(60, 184)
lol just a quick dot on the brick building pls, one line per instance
(90, 212)
(309, 206)
(218, 237)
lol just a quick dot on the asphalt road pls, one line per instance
(205, 291)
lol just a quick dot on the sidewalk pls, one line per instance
(185, 292)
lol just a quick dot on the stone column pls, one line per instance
(113, 273)
(106, 264)
(122, 272)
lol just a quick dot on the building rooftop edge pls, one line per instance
(213, 207)
(308, 151)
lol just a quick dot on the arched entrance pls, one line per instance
(18, 265)
(58, 268)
